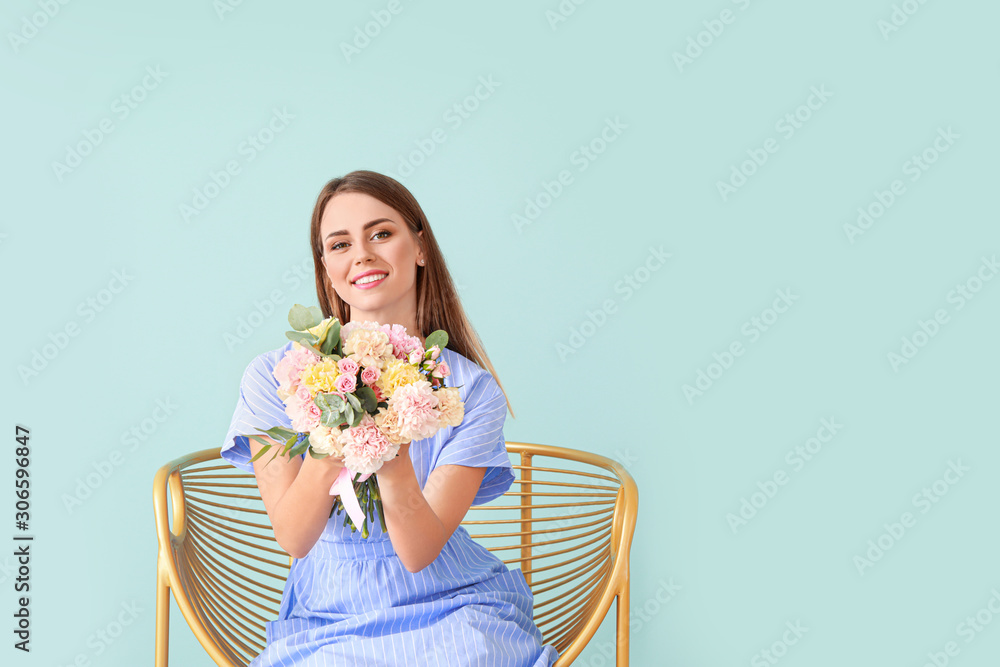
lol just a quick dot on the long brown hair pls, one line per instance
(438, 305)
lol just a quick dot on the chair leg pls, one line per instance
(622, 621)
(162, 619)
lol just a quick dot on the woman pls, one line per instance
(425, 593)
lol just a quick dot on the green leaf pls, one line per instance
(349, 413)
(439, 338)
(299, 448)
(303, 337)
(280, 432)
(301, 318)
(369, 402)
(317, 455)
(332, 402)
(289, 443)
(262, 449)
(358, 416)
(355, 403)
(332, 338)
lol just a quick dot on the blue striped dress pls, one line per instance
(350, 601)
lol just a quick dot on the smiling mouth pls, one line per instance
(370, 281)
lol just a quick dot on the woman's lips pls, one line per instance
(374, 283)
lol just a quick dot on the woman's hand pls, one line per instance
(394, 467)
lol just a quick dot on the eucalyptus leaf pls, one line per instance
(332, 338)
(355, 403)
(303, 337)
(439, 338)
(301, 318)
(358, 416)
(368, 399)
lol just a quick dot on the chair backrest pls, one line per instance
(566, 522)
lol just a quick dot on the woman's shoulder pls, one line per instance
(268, 359)
(472, 379)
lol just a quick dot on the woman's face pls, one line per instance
(362, 238)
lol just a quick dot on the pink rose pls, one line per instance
(370, 374)
(441, 370)
(348, 366)
(345, 383)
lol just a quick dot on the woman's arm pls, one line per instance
(420, 522)
(296, 495)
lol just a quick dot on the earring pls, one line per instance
(421, 262)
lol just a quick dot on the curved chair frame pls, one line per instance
(608, 571)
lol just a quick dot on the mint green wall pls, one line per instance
(714, 242)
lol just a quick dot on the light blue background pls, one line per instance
(163, 337)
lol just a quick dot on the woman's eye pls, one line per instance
(339, 244)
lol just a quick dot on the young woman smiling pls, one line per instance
(423, 592)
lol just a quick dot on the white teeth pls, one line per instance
(370, 279)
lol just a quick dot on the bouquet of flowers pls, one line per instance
(359, 391)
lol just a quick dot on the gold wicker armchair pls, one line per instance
(568, 526)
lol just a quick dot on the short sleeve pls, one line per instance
(258, 407)
(478, 442)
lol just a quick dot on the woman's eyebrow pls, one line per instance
(371, 223)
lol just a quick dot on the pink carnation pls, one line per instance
(402, 343)
(366, 447)
(416, 406)
(303, 411)
(287, 370)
